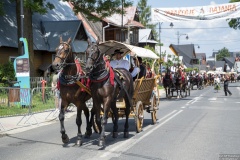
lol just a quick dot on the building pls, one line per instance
(47, 29)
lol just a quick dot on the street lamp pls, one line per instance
(181, 34)
(197, 46)
(215, 55)
(122, 21)
(160, 23)
(178, 37)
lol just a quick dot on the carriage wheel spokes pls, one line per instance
(139, 116)
(154, 106)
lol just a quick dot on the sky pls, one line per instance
(210, 36)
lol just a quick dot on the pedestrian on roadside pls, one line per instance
(225, 85)
(55, 89)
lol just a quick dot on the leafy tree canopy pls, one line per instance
(144, 12)
(234, 23)
(100, 8)
(222, 53)
(39, 6)
(1, 8)
(145, 16)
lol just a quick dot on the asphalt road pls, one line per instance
(204, 125)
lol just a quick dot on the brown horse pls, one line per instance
(178, 82)
(167, 83)
(70, 92)
(106, 87)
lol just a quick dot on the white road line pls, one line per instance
(119, 149)
(166, 116)
(146, 128)
(212, 99)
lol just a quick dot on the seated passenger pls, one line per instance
(142, 72)
(149, 73)
(119, 62)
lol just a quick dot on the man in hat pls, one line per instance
(119, 62)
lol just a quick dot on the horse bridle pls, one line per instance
(97, 59)
(67, 51)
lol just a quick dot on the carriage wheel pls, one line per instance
(139, 116)
(154, 105)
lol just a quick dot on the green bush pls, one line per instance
(7, 73)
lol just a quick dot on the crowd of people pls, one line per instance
(216, 79)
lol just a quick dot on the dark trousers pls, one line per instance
(226, 90)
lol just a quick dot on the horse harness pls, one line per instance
(108, 74)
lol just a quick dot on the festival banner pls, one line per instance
(199, 13)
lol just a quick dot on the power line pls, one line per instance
(200, 28)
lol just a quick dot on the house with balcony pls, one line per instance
(47, 29)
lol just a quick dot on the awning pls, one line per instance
(109, 47)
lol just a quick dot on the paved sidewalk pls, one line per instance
(16, 124)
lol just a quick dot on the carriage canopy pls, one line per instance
(109, 47)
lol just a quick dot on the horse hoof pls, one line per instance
(79, 142)
(115, 134)
(65, 138)
(101, 143)
(88, 134)
(126, 134)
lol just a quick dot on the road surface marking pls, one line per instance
(124, 146)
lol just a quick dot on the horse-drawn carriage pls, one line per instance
(233, 76)
(105, 85)
(144, 97)
(176, 83)
(196, 80)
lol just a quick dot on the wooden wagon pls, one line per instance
(144, 97)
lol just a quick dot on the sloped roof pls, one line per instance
(187, 51)
(201, 56)
(211, 64)
(128, 18)
(220, 64)
(145, 36)
(47, 28)
(230, 61)
(94, 29)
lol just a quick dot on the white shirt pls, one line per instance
(217, 80)
(173, 69)
(120, 64)
(135, 71)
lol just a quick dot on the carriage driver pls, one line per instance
(121, 63)
(173, 70)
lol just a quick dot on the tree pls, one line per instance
(222, 53)
(1, 8)
(145, 16)
(99, 9)
(29, 7)
(234, 23)
(102, 8)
